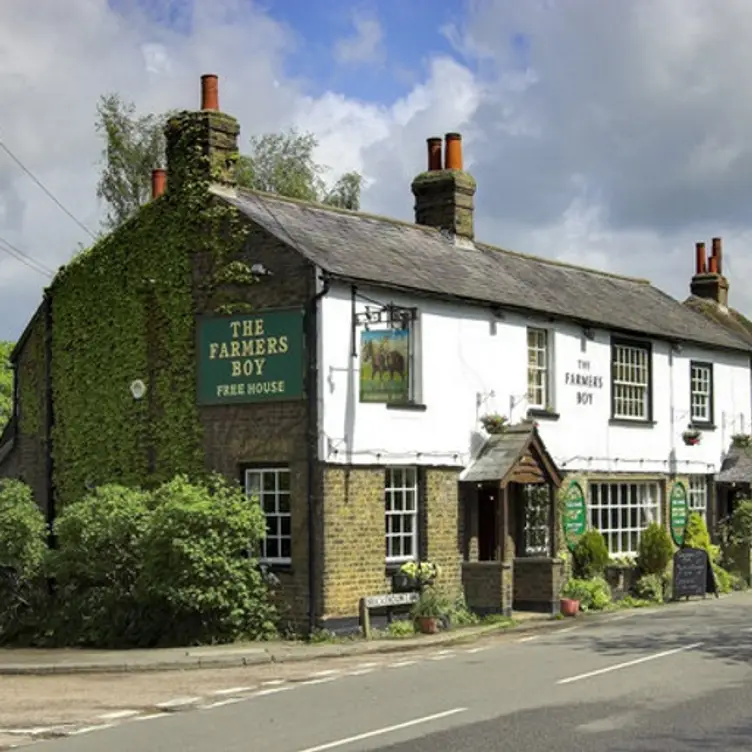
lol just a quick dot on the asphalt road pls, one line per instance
(676, 678)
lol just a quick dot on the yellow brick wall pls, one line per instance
(354, 538)
(444, 527)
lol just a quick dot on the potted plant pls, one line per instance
(741, 440)
(569, 606)
(494, 423)
(427, 611)
(415, 575)
(691, 437)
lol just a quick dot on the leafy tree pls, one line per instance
(280, 163)
(6, 384)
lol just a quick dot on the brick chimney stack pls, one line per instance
(444, 194)
(202, 145)
(158, 182)
(708, 281)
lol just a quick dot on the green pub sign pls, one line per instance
(250, 358)
(678, 512)
(575, 514)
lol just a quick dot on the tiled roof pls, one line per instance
(398, 254)
(498, 455)
(729, 318)
(737, 467)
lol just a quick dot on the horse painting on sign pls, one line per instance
(384, 366)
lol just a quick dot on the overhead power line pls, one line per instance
(24, 258)
(45, 189)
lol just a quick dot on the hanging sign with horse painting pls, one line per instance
(385, 365)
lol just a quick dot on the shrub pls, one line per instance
(590, 555)
(696, 534)
(593, 594)
(739, 527)
(23, 547)
(650, 587)
(655, 550)
(401, 628)
(97, 564)
(198, 569)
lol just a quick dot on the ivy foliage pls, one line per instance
(6, 384)
(31, 381)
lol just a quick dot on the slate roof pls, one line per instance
(729, 318)
(367, 248)
(737, 467)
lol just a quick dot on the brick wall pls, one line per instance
(273, 433)
(488, 586)
(537, 584)
(444, 527)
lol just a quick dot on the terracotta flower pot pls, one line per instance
(569, 607)
(428, 624)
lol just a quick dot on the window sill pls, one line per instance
(627, 423)
(694, 426)
(277, 567)
(539, 414)
(412, 406)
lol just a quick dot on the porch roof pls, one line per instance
(503, 453)
(737, 467)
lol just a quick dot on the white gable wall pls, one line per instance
(465, 355)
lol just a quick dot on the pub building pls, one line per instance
(400, 391)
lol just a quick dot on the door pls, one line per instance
(488, 510)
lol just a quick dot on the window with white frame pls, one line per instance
(621, 511)
(698, 494)
(401, 507)
(271, 487)
(701, 392)
(630, 381)
(537, 368)
(537, 526)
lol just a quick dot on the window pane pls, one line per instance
(270, 481)
(275, 503)
(400, 506)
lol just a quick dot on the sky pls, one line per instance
(613, 135)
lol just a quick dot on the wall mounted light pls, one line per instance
(260, 270)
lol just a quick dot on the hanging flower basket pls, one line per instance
(691, 438)
(494, 423)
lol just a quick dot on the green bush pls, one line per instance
(655, 550)
(97, 564)
(593, 594)
(590, 555)
(696, 534)
(739, 527)
(650, 587)
(198, 569)
(23, 547)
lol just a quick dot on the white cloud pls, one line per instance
(622, 140)
(365, 45)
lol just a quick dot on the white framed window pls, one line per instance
(401, 507)
(271, 487)
(537, 504)
(537, 368)
(701, 392)
(698, 494)
(621, 511)
(630, 381)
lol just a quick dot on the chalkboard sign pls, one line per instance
(693, 574)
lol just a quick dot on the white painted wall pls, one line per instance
(465, 356)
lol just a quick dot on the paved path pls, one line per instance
(670, 679)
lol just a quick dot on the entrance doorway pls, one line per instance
(488, 525)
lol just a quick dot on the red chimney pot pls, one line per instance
(209, 92)
(158, 182)
(701, 261)
(718, 255)
(434, 154)
(453, 151)
(713, 265)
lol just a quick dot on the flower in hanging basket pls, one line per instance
(691, 437)
(421, 572)
(494, 423)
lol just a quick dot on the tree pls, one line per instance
(6, 384)
(134, 146)
(280, 163)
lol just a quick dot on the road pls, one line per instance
(675, 678)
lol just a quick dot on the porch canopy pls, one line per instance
(733, 482)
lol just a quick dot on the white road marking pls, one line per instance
(221, 703)
(382, 731)
(273, 682)
(116, 714)
(272, 691)
(328, 672)
(151, 716)
(87, 729)
(320, 680)
(567, 629)
(29, 731)
(446, 652)
(440, 657)
(400, 664)
(619, 618)
(627, 664)
(360, 672)
(478, 650)
(232, 691)
(178, 702)
(528, 639)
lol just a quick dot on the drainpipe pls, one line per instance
(312, 419)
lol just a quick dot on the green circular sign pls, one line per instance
(678, 512)
(575, 514)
